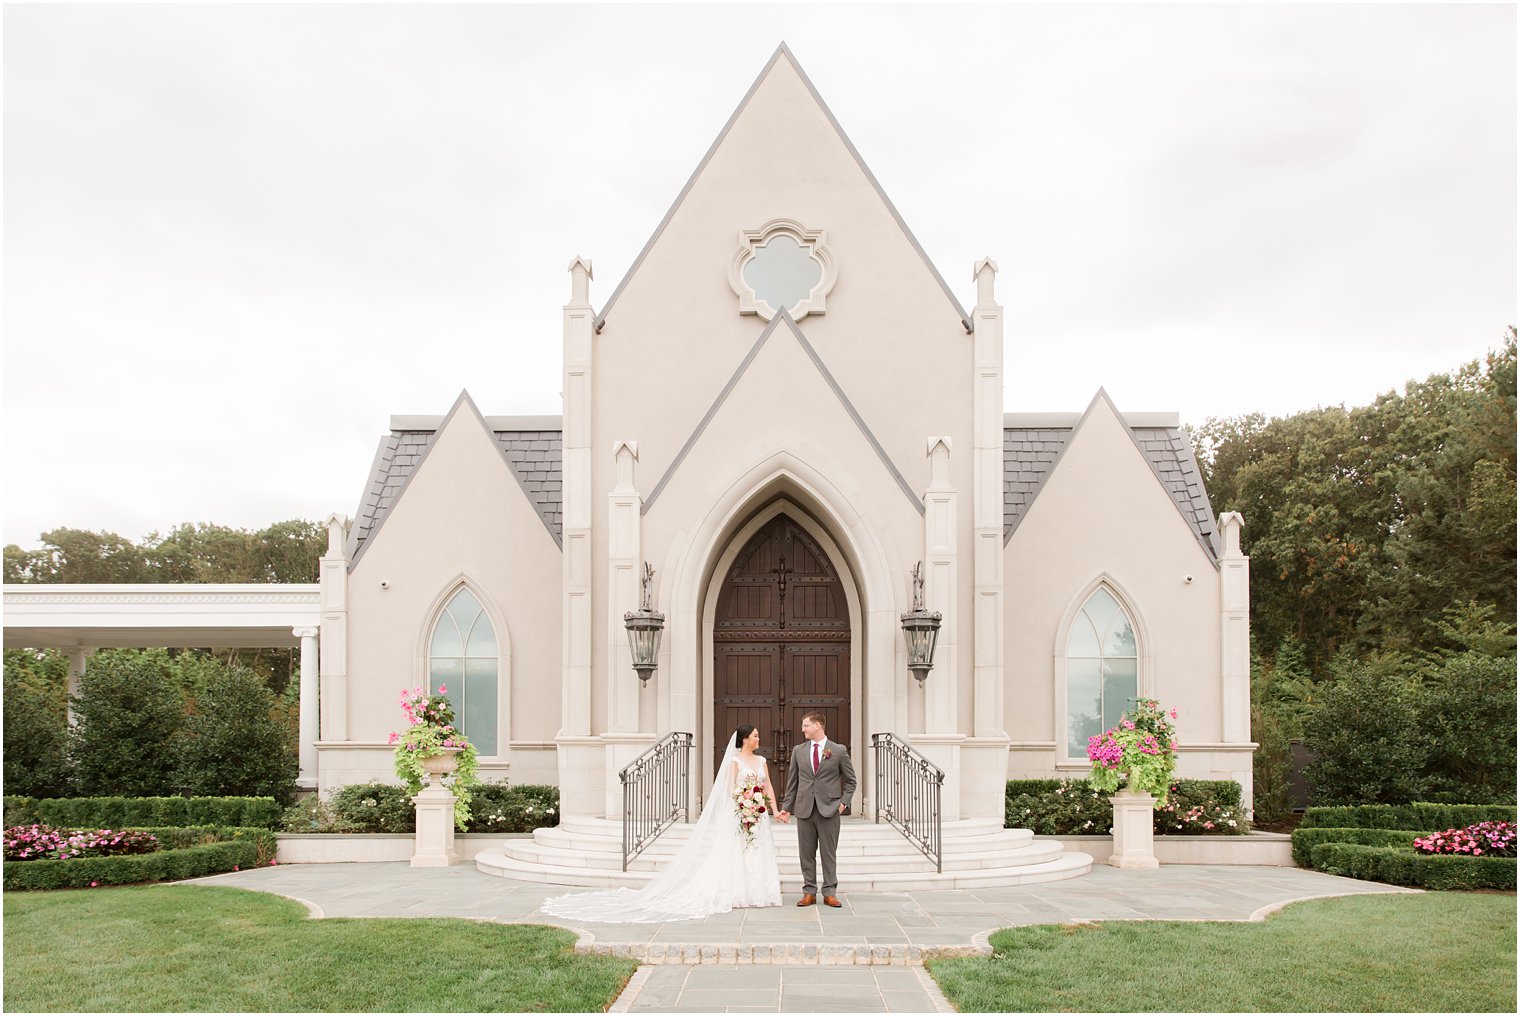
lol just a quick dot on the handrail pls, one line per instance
(656, 786)
(908, 788)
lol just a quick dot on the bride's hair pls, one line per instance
(739, 735)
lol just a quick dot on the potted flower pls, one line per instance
(431, 747)
(1138, 756)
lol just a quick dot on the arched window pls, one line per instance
(462, 659)
(1102, 670)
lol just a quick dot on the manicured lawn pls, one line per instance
(1435, 952)
(199, 948)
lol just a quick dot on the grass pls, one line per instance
(202, 948)
(1433, 952)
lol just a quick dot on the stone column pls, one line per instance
(308, 714)
(332, 649)
(1235, 647)
(580, 753)
(625, 738)
(942, 737)
(1134, 831)
(435, 827)
(77, 657)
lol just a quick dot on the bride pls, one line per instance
(721, 866)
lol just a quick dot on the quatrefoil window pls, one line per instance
(782, 266)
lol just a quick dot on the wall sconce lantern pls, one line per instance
(921, 628)
(644, 626)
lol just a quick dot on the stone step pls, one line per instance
(1069, 864)
(851, 840)
(907, 859)
(852, 826)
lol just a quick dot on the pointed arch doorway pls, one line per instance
(781, 643)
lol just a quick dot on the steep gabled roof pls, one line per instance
(1032, 448)
(532, 447)
(782, 51)
(849, 407)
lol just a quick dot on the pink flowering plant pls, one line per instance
(1140, 753)
(430, 731)
(45, 843)
(1485, 839)
(749, 802)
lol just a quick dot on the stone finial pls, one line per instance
(580, 280)
(337, 533)
(1231, 523)
(983, 274)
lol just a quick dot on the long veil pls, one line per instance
(696, 882)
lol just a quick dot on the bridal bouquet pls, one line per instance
(749, 802)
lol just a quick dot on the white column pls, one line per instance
(942, 737)
(434, 839)
(1235, 647)
(580, 754)
(308, 721)
(77, 657)
(987, 505)
(332, 649)
(625, 738)
(1134, 833)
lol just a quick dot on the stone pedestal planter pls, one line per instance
(1134, 844)
(435, 815)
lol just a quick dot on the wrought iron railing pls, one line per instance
(908, 794)
(656, 787)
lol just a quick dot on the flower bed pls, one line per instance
(1491, 839)
(384, 808)
(135, 812)
(1075, 808)
(40, 843)
(186, 852)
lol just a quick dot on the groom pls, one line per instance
(819, 781)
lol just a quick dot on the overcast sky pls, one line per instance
(238, 238)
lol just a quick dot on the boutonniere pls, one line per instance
(828, 753)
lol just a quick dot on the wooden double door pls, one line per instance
(781, 641)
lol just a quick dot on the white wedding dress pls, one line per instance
(715, 870)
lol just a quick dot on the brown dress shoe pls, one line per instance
(808, 899)
(832, 901)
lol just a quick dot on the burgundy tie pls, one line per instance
(815, 758)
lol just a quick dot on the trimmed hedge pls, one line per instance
(1074, 808)
(111, 812)
(190, 853)
(1427, 817)
(1401, 866)
(1305, 840)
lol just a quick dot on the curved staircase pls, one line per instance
(873, 857)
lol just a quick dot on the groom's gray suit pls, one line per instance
(814, 800)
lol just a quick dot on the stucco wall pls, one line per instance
(1102, 512)
(462, 516)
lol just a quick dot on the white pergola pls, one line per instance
(79, 619)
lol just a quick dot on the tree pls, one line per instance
(127, 715)
(1366, 733)
(234, 745)
(36, 724)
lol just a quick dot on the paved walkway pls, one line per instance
(788, 959)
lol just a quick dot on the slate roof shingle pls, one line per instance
(1030, 452)
(534, 455)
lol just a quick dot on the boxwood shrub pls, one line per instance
(113, 812)
(1404, 866)
(503, 808)
(1074, 808)
(1426, 817)
(189, 853)
(1306, 839)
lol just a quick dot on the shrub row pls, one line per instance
(188, 853)
(1425, 817)
(114, 812)
(1074, 808)
(385, 808)
(1403, 866)
(1306, 839)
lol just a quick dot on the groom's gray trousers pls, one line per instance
(813, 832)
